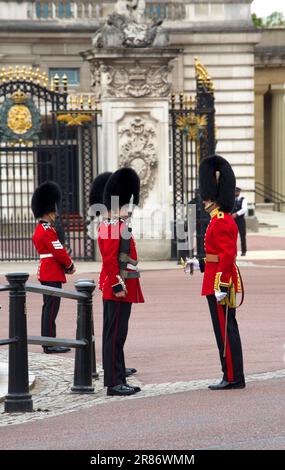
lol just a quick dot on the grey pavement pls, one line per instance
(172, 345)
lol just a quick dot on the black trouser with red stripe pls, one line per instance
(115, 330)
(50, 310)
(232, 364)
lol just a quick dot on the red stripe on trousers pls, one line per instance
(229, 361)
(114, 342)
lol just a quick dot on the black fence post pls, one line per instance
(18, 399)
(95, 374)
(83, 356)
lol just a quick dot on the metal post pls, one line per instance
(83, 356)
(95, 374)
(18, 398)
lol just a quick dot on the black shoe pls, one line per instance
(55, 349)
(224, 385)
(243, 253)
(120, 390)
(136, 389)
(130, 371)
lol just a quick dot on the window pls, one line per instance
(48, 9)
(73, 74)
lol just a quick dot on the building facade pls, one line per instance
(246, 65)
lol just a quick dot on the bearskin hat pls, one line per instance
(45, 199)
(123, 183)
(217, 182)
(97, 189)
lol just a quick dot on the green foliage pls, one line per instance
(275, 20)
(258, 22)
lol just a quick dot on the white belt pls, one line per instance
(132, 267)
(47, 255)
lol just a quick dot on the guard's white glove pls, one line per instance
(220, 295)
(191, 261)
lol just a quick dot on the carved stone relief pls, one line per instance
(137, 149)
(132, 81)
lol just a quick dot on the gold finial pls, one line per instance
(191, 102)
(45, 79)
(24, 72)
(56, 82)
(29, 73)
(51, 85)
(3, 74)
(17, 72)
(38, 76)
(10, 73)
(76, 102)
(65, 83)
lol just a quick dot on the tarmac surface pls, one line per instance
(172, 345)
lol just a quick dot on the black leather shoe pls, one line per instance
(56, 349)
(224, 385)
(130, 371)
(243, 253)
(120, 390)
(136, 389)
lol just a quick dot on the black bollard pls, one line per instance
(18, 399)
(83, 356)
(95, 374)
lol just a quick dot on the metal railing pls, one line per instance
(270, 195)
(19, 398)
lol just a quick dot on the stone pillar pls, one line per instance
(134, 88)
(260, 91)
(278, 138)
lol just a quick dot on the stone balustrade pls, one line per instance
(166, 10)
(87, 9)
(66, 9)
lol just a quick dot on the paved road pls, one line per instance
(171, 340)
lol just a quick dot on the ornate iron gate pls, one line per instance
(43, 136)
(192, 124)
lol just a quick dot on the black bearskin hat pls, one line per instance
(124, 183)
(217, 182)
(97, 189)
(45, 199)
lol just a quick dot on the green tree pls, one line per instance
(275, 20)
(258, 22)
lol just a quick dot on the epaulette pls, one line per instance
(46, 225)
(221, 215)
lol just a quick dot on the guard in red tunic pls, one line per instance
(221, 279)
(119, 277)
(54, 260)
(97, 210)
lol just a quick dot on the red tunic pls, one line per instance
(221, 240)
(109, 244)
(53, 267)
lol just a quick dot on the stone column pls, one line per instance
(278, 138)
(133, 86)
(260, 91)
